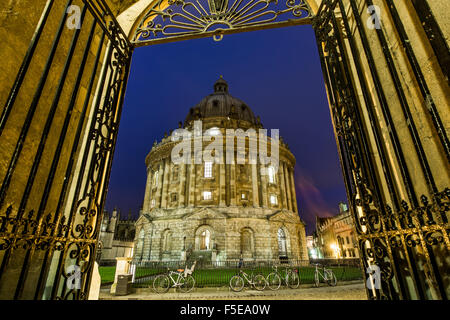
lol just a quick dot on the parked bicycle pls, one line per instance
(290, 278)
(237, 282)
(181, 279)
(327, 275)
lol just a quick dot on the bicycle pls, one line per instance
(326, 274)
(237, 282)
(183, 281)
(291, 278)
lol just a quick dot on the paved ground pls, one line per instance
(352, 290)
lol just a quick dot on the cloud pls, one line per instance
(310, 200)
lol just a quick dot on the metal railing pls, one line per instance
(219, 273)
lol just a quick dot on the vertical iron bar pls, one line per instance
(32, 110)
(68, 172)
(72, 214)
(392, 131)
(27, 124)
(25, 64)
(406, 110)
(435, 35)
(426, 170)
(424, 90)
(370, 107)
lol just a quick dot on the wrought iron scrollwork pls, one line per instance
(184, 18)
(398, 235)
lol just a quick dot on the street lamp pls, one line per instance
(335, 248)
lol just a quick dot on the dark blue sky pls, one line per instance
(276, 72)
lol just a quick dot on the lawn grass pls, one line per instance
(107, 273)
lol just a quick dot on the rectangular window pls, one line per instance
(153, 203)
(271, 172)
(273, 199)
(207, 195)
(208, 169)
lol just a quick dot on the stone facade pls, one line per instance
(400, 181)
(116, 237)
(335, 237)
(219, 210)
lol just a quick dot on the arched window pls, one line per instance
(246, 243)
(282, 248)
(166, 241)
(205, 240)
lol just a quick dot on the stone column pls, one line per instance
(222, 184)
(293, 193)
(233, 184)
(282, 186)
(287, 186)
(159, 184)
(255, 185)
(165, 184)
(263, 186)
(148, 191)
(182, 186)
(192, 168)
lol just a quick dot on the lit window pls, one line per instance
(153, 203)
(243, 196)
(208, 169)
(212, 132)
(273, 199)
(207, 195)
(271, 171)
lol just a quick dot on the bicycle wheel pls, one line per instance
(161, 283)
(331, 278)
(187, 284)
(316, 280)
(273, 281)
(236, 283)
(259, 282)
(293, 280)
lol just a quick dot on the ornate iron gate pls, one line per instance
(49, 232)
(49, 227)
(405, 239)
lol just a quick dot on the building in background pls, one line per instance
(334, 237)
(213, 211)
(310, 245)
(116, 237)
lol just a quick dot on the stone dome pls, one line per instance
(221, 104)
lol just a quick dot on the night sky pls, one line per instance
(276, 72)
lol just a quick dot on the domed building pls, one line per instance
(219, 210)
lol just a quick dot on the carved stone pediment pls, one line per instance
(205, 213)
(284, 216)
(141, 221)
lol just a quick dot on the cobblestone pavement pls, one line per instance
(343, 291)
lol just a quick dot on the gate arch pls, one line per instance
(388, 112)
